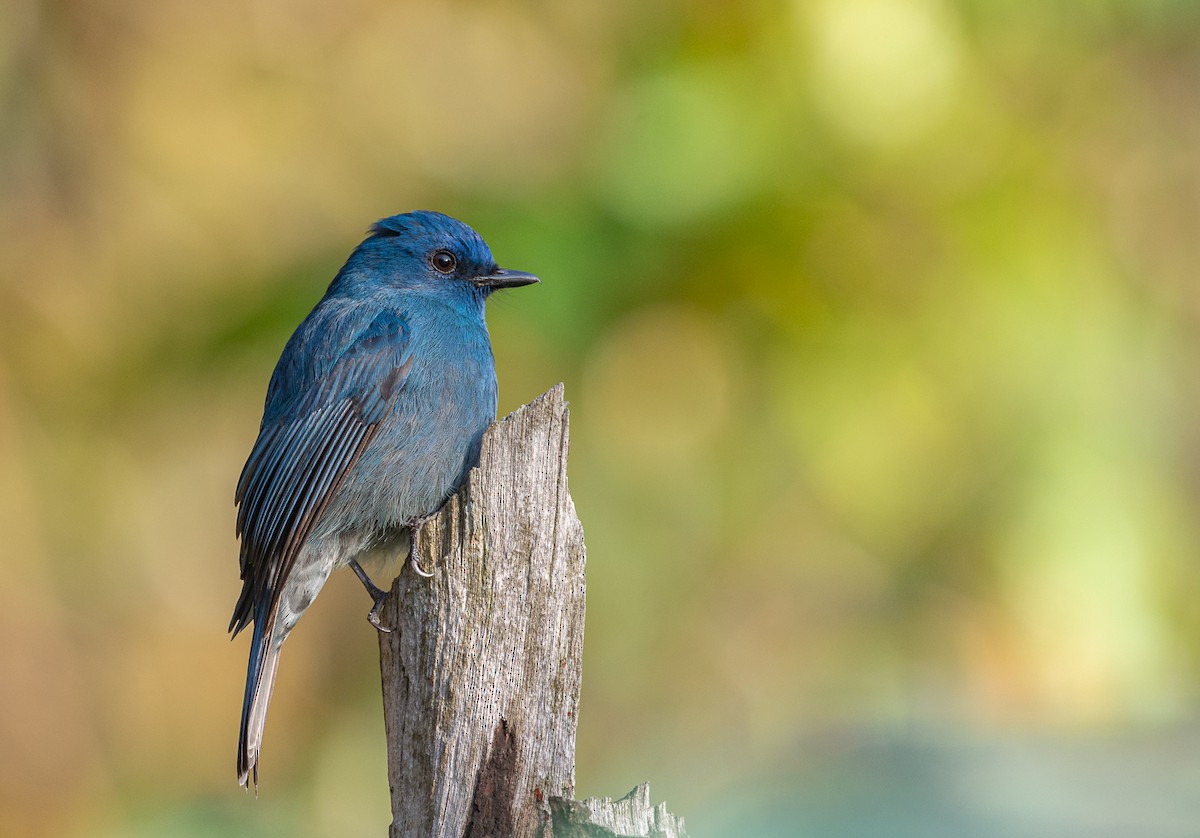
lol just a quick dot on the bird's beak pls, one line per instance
(501, 278)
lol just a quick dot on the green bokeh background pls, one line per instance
(878, 319)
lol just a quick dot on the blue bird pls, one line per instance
(373, 417)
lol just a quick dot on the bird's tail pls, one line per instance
(265, 647)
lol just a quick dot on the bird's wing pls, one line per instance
(301, 459)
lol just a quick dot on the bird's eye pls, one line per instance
(444, 261)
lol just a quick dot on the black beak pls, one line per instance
(501, 278)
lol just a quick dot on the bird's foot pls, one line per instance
(373, 614)
(414, 553)
(376, 593)
(414, 561)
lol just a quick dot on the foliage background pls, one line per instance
(878, 319)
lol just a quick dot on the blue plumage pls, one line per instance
(373, 416)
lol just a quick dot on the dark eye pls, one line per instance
(444, 261)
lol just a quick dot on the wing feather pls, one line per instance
(300, 460)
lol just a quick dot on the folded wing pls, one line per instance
(300, 460)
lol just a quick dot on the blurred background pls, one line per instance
(878, 319)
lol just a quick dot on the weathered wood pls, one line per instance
(481, 674)
(630, 817)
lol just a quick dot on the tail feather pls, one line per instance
(273, 620)
(260, 680)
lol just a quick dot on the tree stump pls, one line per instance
(482, 670)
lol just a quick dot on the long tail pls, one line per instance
(265, 647)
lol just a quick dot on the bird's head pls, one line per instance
(430, 253)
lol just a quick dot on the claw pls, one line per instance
(414, 553)
(414, 560)
(373, 615)
(377, 594)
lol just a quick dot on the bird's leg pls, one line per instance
(414, 553)
(377, 594)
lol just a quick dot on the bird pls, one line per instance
(374, 414)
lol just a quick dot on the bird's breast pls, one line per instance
(430, 436)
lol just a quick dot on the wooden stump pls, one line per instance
(481, 674)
